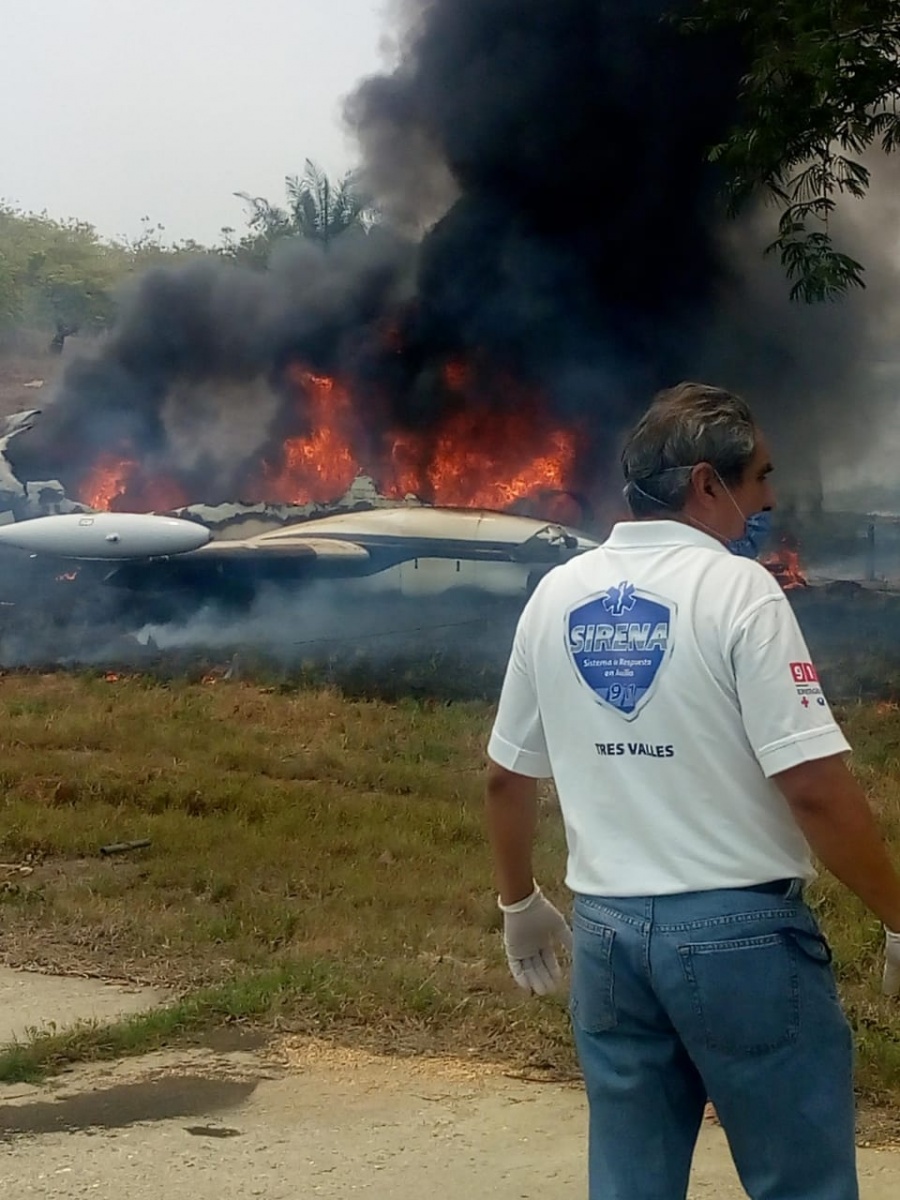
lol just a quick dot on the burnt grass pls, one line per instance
(854, 637)
(446, 648)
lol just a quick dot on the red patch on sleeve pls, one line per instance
(804, 672)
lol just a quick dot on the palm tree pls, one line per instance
(318, 209)
(321, 209)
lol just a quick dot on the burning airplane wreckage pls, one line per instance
(389, 386)
(408, 548)
(64, 554)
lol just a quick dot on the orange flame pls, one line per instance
(784, 563)
(321, 466)
(490, 460)
(117, 484)
(481, 455)
(108, 481)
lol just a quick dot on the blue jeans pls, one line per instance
(727, 995)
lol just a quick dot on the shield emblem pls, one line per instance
(618, 641)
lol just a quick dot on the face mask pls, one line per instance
(757, 528)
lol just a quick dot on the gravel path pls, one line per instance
(305, 1120)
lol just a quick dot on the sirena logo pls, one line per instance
(618, 640)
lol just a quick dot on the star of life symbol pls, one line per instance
(618, 641)
(620, 599)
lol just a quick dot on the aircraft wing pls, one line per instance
(241, 564)
(314, 549)
(321, 547)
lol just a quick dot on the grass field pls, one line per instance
(315, 863)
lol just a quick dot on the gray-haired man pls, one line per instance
(664, 684)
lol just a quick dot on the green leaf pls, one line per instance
(821, 77)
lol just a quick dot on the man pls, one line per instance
(665, 686)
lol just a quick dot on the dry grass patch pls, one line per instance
(288, 830)
(17, 370)
(323, 858)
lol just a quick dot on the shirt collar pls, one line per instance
(645, 535)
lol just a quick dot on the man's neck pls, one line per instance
(684, 517)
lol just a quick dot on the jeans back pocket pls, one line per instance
(592, 1001)
(745, 992)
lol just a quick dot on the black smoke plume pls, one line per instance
(584, 252)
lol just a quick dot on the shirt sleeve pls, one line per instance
(517, 740)
(785, 714)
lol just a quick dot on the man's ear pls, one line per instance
(703, 481)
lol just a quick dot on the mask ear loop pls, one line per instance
(692, 520)
(742, 515)
(653, 499)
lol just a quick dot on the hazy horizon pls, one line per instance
(111, 111)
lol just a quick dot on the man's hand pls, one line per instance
(891, 983)
(531, 930)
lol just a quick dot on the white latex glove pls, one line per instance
(891, 984)
(531, 928)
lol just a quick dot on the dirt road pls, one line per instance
(311, 1121)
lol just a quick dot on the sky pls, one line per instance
(116, 110)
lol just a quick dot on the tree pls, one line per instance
(820, 89)
(53, 274)
(62, 277)
(317, 209)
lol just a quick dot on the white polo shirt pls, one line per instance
(661, 681)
